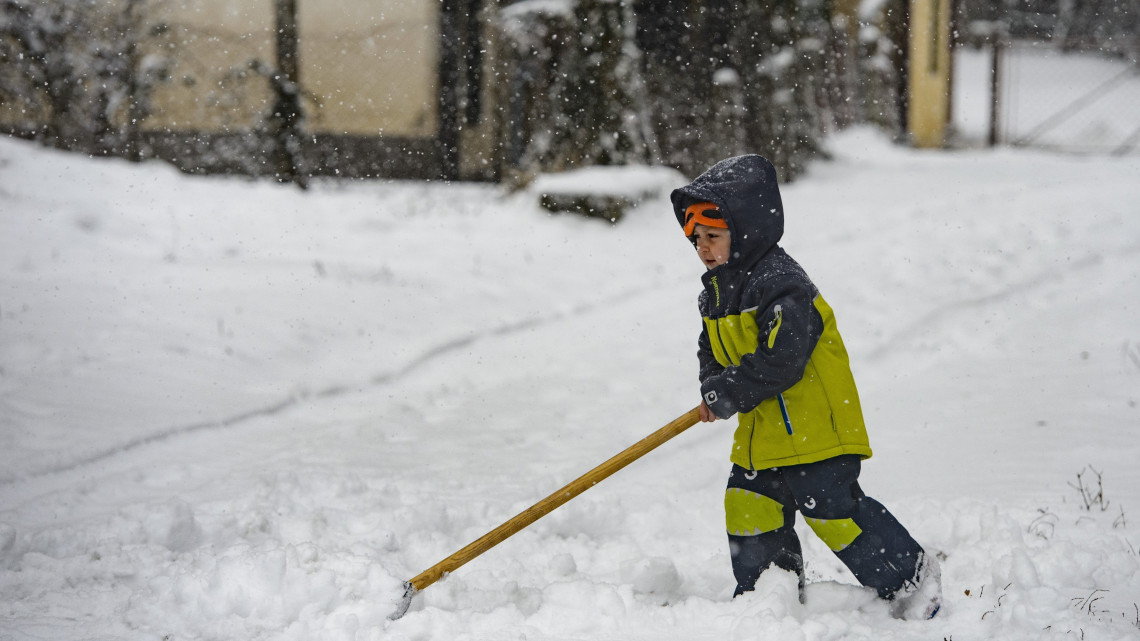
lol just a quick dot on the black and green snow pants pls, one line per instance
(760, 511)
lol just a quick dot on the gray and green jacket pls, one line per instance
(769, 349)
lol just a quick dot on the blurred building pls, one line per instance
(369, 73)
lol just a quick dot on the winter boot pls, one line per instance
(920, 598)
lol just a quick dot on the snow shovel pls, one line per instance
(542, 508)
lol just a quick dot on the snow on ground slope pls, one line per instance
(231, 410)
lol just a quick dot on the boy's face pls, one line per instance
(713, 244)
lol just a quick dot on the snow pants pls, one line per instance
(760, 511)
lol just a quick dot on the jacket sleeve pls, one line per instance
(708, 365)
(789, 328)
(707, 362)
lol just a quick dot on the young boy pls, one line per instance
(770, 353)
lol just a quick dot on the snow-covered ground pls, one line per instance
(232, 410)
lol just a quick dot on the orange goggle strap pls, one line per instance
(695, 215)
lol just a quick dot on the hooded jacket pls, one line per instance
(769, 350)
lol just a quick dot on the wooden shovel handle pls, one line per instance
(548, 504)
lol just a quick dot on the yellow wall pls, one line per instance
(366, 66)
(929, 72)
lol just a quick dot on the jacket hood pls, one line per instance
(745, 190)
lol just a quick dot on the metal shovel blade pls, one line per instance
(405, 602)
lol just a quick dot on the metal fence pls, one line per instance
(1068, 99)
(1056, 74)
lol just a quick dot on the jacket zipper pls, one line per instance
(784, 412)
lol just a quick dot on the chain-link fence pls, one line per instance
(1050, 74)
(1082, 101)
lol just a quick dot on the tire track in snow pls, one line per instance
(941, 315)
(428, 357)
